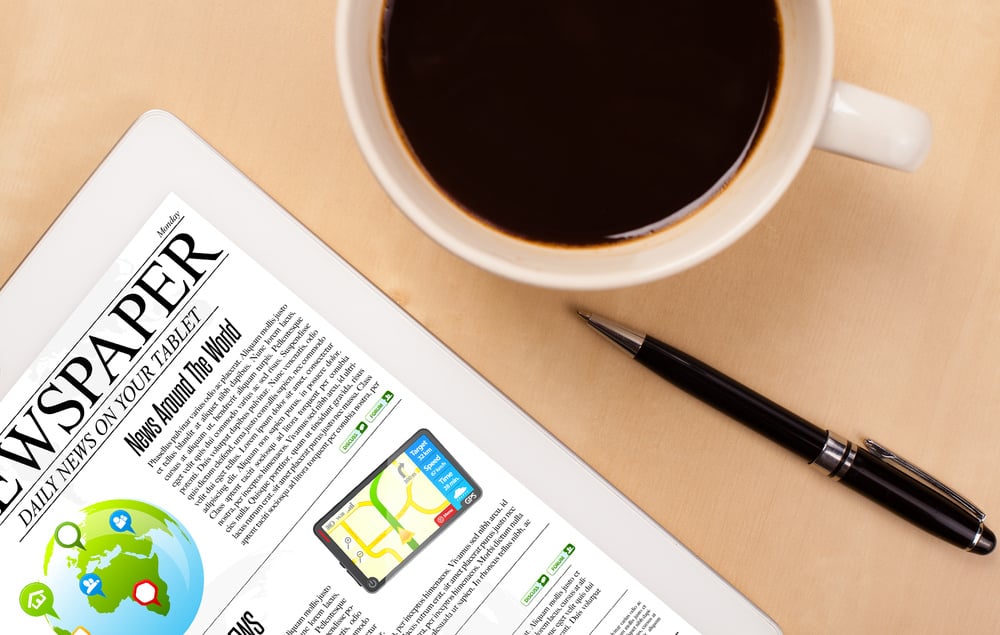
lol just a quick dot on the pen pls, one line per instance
(871, 470)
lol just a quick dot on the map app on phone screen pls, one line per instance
(408, 500)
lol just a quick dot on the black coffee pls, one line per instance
(581, 122)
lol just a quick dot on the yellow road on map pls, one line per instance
(374, 544)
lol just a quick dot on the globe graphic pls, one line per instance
(125, 543)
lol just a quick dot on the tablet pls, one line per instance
(213, 423)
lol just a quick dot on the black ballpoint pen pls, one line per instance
(906, 490)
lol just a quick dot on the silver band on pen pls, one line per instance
(836, 457)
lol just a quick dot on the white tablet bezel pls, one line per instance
(158, 155)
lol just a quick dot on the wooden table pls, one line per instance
(868, 300)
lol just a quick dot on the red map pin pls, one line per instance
(144, 592)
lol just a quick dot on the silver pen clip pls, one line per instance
(891, 457)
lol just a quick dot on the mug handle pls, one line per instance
(874, 127)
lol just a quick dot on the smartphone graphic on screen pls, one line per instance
(394, 512)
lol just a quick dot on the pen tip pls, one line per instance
(585, 316)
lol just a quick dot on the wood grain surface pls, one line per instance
(867, 301)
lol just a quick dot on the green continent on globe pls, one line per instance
(119, 578)
(121, 559)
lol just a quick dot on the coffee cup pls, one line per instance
(810, 110)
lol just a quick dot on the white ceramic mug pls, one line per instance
(811, 110)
